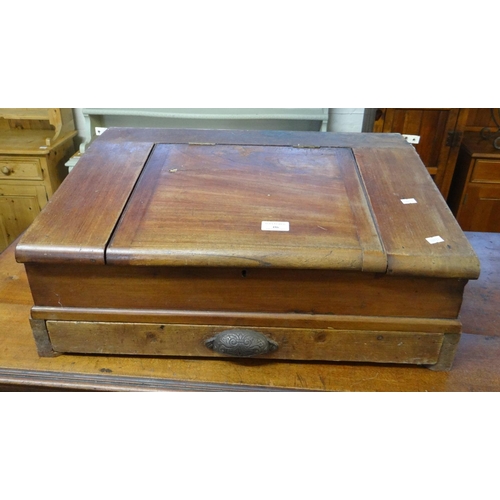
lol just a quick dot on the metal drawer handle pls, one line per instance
(241, 343)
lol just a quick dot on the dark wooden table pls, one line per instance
(476, 367)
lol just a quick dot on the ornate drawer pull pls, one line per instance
(241, 343)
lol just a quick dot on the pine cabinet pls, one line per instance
(34, 145)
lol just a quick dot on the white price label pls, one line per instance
(434, 239)
(268, 225)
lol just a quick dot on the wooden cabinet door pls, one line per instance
(440, 131)
(19, 205)
(480, 209)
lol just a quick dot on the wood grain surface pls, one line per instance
(404, 228)
(475, 368)
(77, 222)
(174, 227)
(293, 343)
(236, 290)
(254, 137)
(216, 222)
(203, 205)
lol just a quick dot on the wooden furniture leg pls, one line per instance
(42, 338)
(447, 354)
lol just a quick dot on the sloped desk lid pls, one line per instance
(213, 198)
(232, 205)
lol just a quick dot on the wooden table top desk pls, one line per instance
(476, 366)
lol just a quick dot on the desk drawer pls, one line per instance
(284, 343)
(20, 168)
(486, 171)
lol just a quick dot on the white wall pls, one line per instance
(339, 120)
(79, 124)
(345, 119)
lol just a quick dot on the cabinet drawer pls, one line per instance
(486, 171)
(289, 343)
(20, 168)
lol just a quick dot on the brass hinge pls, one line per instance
(454, 138)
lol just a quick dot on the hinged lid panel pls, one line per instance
(235, 205)
(77, 222)
(335, 198)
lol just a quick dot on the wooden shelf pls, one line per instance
(56, 122)
(30, 142)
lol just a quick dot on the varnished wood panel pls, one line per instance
(78, 221)
(475, 192)
(404, 228)
(252, 137)
(54, 239)
(432, 133)
(481, 208)
(449, 148)
(486, 171)
(478, 118)
(259, 290)
(203, 205)
(97, 190)
(429, 124)
(284, 320)
(432, 125)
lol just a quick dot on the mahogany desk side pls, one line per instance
(476, 366)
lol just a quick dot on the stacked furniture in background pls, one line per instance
(34, 145)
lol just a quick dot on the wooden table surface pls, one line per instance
(476, 366)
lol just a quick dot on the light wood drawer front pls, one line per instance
(292, 343)
(16, 168)
(486, 171)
